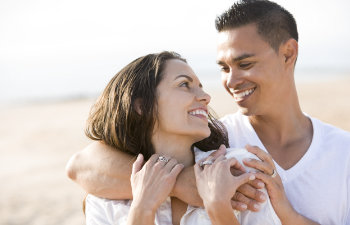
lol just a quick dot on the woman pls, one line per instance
(155, 108)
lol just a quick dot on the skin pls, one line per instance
(217, 194)
(107, 175)
(248, 63)
(179, 94)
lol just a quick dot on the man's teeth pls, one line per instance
(199, 112)
(243, 93)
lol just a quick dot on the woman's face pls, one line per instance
(182, 103)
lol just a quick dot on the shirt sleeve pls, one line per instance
(101, 211)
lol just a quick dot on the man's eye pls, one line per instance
(224, 69)
(245, 65)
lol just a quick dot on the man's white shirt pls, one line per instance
(318, 186)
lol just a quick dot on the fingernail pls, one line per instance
(256, 206)
(244, 206)
(252, 177)
(247, 160)
(261, 184)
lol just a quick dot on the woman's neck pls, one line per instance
(174, 146)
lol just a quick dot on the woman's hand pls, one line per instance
(152, 182)
(216, 186)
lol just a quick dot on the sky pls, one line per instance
(70, 47)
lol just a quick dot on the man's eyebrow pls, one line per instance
(183, 75)
(239, 58)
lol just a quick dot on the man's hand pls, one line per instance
(248, 195)
(274, 186)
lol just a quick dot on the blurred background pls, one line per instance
(57, 56)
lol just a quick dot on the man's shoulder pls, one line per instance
(232, 119)
(329, 129)
(331, 136)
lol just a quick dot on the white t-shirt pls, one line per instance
(318, 186)
(101, 211)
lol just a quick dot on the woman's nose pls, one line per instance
(203, 96)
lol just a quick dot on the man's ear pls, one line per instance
(137, 106)
(289, 50)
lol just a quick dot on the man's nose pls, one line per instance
(233, 78)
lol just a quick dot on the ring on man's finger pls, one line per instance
(162, 159)
(206, 162)
(274, 174)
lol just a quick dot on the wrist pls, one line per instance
(140, 211)
(220, 213)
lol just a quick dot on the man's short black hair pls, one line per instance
(274, 24)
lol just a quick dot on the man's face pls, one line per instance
(251, 71)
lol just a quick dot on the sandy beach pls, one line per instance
(36, 141)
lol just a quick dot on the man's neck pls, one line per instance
(286, 135)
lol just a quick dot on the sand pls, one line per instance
(36, 141)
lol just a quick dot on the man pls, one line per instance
(305, 163)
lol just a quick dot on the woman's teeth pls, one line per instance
(199, 112)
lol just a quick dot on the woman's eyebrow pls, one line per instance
(186, 76)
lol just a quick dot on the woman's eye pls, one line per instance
(185, 84)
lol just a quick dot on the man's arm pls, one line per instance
(105, 172)
(102, 171)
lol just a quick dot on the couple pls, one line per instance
(257, 51)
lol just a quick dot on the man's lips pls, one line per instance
(241, 95)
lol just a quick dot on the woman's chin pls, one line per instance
(203, 134)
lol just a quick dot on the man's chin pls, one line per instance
(246, 111)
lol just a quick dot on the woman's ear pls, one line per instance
(137, 106)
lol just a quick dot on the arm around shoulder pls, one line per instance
(102, 171)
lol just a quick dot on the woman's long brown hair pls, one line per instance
(114, 120)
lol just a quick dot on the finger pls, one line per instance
(269, 181)
(176, 170)
(209, 158)
(250, 203)
(264, 156)
(251, 193)
(153, 159)
(220, 158)
(137, 165)
(244, 178)
(238, 205)
(220, 151)
(257, 184)
(170, 165)
(259, 165)
(161, 163)
(233, 162)
(197, 169)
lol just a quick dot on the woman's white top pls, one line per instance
(101, 211)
